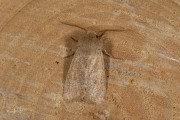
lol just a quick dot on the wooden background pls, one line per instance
(143, 85)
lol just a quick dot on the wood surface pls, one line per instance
(144, 84)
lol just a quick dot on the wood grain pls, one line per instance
(143, 85)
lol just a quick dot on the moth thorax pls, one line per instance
(91, 34)
(90, 42)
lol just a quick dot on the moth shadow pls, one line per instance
(71, 44)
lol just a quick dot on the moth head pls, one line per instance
(91, 35)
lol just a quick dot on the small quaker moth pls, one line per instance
(86, 79)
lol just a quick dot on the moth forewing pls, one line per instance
(86, 79)
(95, 78)
(73, 83)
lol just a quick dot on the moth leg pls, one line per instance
(73, 25)
(69, 55)
(74, 39)
(108, 54)
(70, 52)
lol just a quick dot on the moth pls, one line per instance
(86, 78)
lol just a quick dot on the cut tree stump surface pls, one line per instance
(144, 84)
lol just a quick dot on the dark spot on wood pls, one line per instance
(132, 80)
(57, 62)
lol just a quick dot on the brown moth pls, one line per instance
(86, 78)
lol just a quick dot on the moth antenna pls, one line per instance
(73, 25)
(101, 33)
(74, 39)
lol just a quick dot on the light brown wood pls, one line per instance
(143, 85)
